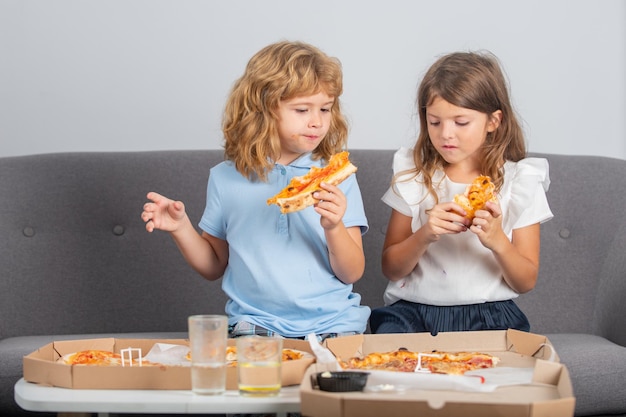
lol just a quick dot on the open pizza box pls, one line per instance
(528, 381)
(42, 366)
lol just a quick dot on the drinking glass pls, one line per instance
(259, 360)
(207, 338)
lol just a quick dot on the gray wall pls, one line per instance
(153, 74)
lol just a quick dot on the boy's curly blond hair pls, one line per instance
(280, 71)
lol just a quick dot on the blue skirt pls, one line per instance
(407, 317)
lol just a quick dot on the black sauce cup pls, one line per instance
(346, 381)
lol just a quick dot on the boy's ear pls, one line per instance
(494, 120)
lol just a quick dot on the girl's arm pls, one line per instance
(403, 249)
(206, 254)
(519, 257)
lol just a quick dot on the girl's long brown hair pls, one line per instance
(472, 80)
(280, 71)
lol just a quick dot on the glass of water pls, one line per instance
(208, 336)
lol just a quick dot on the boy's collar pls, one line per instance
(304, 161)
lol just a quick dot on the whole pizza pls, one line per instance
(403, 360)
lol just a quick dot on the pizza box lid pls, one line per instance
(41, 367)
(549, 394)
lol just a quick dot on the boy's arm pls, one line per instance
(345, 249)
(206, 254)
(345, 245)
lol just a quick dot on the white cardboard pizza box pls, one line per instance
(549, 391)
(41, 366)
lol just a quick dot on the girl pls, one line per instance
(448, 273)
(284, 274)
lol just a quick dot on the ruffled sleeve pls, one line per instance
(526, 182)
(407, 193)
(404, 172)
(402, 162)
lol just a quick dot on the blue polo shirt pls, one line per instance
(278, 274)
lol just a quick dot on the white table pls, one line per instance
(35, 397)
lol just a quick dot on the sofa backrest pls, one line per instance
(582, 279)
(74, 254)
(75, 257)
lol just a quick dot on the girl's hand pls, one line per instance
(162, 213)
(332, 205)
(487, 225)
(446, 218)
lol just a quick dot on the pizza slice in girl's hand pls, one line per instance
(299, 193)
(476, 195)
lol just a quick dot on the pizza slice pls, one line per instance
(97, 357)
(458, 363)
(292, 354)
(92, 357)
(476, 195)
(299, 192)
(400, 360)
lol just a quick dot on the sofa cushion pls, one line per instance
(597, 369)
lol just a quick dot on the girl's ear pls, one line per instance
(494, 120)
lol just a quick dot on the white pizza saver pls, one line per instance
(127, 356)
(324, 358)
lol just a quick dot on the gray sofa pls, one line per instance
(75, 260)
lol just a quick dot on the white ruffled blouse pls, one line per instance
(458, 269)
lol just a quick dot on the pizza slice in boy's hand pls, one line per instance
(477, 194)
(299, 193)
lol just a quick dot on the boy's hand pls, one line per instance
(162, 213)
(332, 205)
